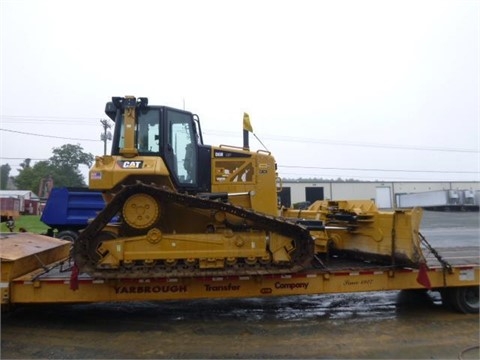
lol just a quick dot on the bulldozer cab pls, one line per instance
(157, 131)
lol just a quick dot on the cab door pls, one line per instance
(181, 148)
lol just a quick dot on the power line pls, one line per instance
(46, 118)
(17, 158)
(346, 143)
(389, 146)
(78, 121)
(295, 166)
(47, 136)
(367, 174)
(47, 123)
(292, 176)
(383, 170)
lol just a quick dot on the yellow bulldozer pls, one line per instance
(190, 209)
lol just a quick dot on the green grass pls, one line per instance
(31, 223)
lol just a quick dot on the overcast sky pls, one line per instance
(372, 90)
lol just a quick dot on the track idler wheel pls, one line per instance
(141, 211)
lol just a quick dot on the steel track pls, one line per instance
(87, 258)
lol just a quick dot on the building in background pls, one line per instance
(385, 194)
(28, 202)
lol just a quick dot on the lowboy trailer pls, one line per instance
(37, 269)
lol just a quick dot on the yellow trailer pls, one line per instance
(38, 269)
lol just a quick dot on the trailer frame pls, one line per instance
(41, 272)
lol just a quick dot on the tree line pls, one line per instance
(62, 167)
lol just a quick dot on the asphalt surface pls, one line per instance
(448, 229)
(379, 325)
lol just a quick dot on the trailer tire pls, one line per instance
(463, 299)
(67, 235)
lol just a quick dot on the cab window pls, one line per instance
(148, 135)
(182, 143)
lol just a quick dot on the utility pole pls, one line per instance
(105, 135)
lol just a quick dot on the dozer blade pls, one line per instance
(357, 229)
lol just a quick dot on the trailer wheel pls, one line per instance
(463, 299)
(67, 235)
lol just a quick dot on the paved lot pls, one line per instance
(380, 325)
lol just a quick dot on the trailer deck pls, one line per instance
(39, 271)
